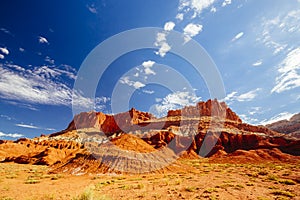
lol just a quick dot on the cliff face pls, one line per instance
(109, 123)
(135, 120)
(210, 108)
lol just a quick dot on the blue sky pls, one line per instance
(255, 46)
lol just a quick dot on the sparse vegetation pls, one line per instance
(262, 198)
(190, 189)
(6, 198)
(287, 182)
(86, 195)
(184, 184)
(283, 193)
(32, 181)
(210, 190)
(272, 178)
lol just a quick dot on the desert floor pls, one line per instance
(199, 180)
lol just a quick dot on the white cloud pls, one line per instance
(92, 8)
(21, 49)
(248, 96)
(135, 84)
(179, 16)
(289, 70)
(164, 48)
(6, 31)
(169, 26)
(231, 96)
(161, 41)
(226, 2)
(148, 91)
(43, 40)
(158, 100)
(255, 110)
(174, 101)
(237, 36)
(50, 129)
(136, 74)
(27, 126)
(278, 117)
(160, 37)
(12, 135)
(1, 56)
(248, 120)
(257, 63)
(148, 64)
(213, 9)
(191, 30)
(194, 6)
(147, 67)
(199, 5)
(149, 71)
(4, 50)
(49, 60)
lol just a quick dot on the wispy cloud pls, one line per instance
(42, 40)
(11, 135)
(27, 126)
(213, 9)
(6, 117)
(289, 70)
(6, 31)
(31, 126)
(92, 8)
(257, 63)
(278, 117)
(226, 2)
(40, 85)
(148, 91)
(248, 96)
(279, 31)
(237, 36)
(174, 101)
(136, 84)
(49, 60)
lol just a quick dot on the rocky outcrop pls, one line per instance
(109, 124)
(290, 127)
(137, 142)
(212, 108)
(45, 152)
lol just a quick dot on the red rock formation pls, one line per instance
(210, 129)
(26, 151)
(109, 123)
(290, 127)
(210, 108)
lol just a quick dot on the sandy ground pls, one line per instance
(200, 180)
